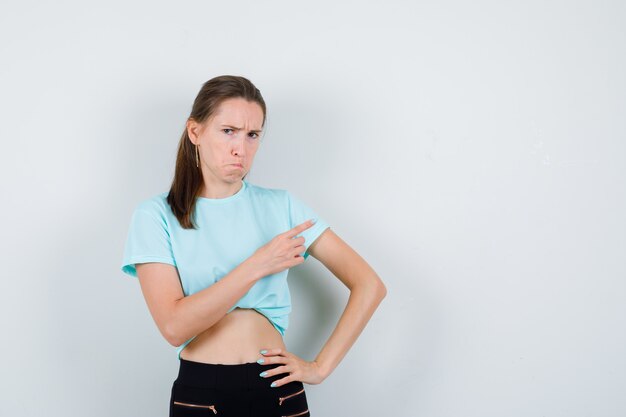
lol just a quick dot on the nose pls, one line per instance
(238, 145)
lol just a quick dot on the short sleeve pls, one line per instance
(148, 240)
(299, 212)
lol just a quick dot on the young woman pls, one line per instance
(212, 257)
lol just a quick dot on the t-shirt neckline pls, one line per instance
(236, 196)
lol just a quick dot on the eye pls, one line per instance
(256, 135)
(225, 130)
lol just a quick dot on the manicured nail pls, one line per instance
(313, 221)
(263, 373)
(261, 360)
(263, 352)
(273, 384)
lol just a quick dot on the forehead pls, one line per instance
(239, 112)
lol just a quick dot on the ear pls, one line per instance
(193, 130)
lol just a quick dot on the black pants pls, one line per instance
(207, 389)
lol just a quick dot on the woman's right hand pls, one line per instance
(282, 252)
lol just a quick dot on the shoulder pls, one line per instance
(156, 205)
(280, 196)
(267, 193)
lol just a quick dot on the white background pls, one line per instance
(472, 152)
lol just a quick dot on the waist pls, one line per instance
(236, 339)
(225, 376)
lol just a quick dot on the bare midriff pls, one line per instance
(237, 338)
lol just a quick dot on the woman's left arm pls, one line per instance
(366, 292)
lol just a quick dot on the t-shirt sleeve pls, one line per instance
(148, 240)
(299, 212)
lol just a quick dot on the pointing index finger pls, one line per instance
(301, 227)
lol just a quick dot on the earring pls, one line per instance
(197, 157)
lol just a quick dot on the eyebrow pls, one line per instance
(238, 128)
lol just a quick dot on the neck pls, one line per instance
(221, 190)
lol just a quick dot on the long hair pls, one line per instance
(187, 176)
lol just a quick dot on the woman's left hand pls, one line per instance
(298, 369)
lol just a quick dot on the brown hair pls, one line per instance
(187, 176)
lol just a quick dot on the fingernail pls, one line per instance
(263, 352)
(261, 360)
(263, 373)
(313, 221)
(273, 384)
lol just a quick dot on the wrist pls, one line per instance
(252, 269)
(322, 370)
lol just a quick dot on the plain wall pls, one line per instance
(472, 152)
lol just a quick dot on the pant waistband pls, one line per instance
(214, 375)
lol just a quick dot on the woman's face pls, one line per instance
(228, 140)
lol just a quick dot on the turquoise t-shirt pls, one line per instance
(229, 231)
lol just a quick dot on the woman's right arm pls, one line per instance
(180, 318)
